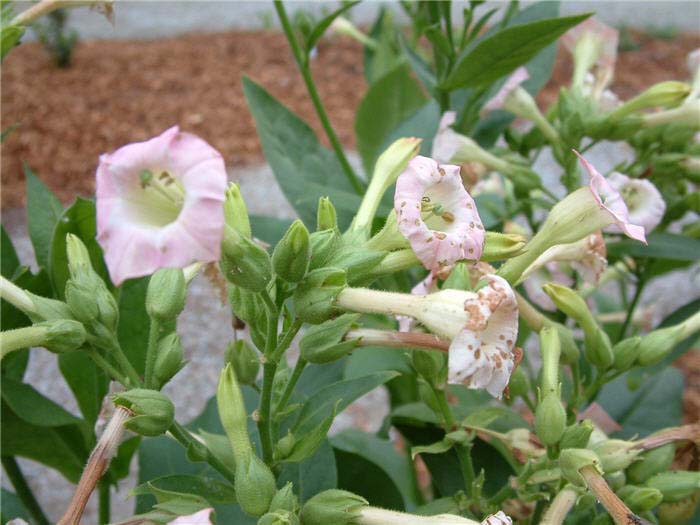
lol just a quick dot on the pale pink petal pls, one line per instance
(645, 204)
(498, 101)
(500, 518)
(481, 356)
(203, 517)
(140, 233)
(436, 241)
(608, 38)
(610, 200)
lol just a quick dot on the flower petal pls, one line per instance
(498, 101)
(203, 517)
(644, 201)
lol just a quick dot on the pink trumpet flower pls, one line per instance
(203, 517)
(644, 202)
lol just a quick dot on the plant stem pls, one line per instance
(124, 363)
(303, 63)
(641, 281)
(289, 388)
(107, 367)
(463, 451)
(269, 371)
(287, 338)
(151, 352)
(23, 491)
(103, 502)
(183, 436)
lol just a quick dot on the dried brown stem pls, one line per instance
(619, 512)
(370, 337)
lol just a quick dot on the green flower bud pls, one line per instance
(625, 353)
(280, 517)
(519, 385)
(499, 246)
(63, 335)
(169, 359)
(91, 303)
(550, 419)
(680, 511)
(640, 499)
(667, 94)
(598, 349)
(326, 218)
(234, 417)
(165, 296)
(572, 460)
(585, 502)
(615, 454)
(651, 462)
(323, 244)
(247, 305)
(290, 259)
(577, 435)
(245, 361)
(284, 447)
(315, 296)
(338, 507)
(78, 257)
(432, 366)
(616, 480)
(656, 345)
(459, 278)
(675, 485)
(48, 309)
(153, 411)
(324, 343)
(254, 485)
(285, 499)
(235, 211)
(356, 261)
(569, 349)
(244, 262)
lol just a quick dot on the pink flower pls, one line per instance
(481, 355)
(499, 518)
(203, 517)
(499, 100)
(437, 215)
(593, 43)
(645, 204)
(611, 201)
(159, 204)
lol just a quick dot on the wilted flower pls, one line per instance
(644, 202)
(437, 215)
(159, 204)
(201, 517)
(482, 326)
(592, 43)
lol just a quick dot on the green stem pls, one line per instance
(151, 352)
(23, 491)
(286, 340)
(303, 64)
(183, 436)
(103, 502)
(289, 388)
(269, 371)
(124, 363)
(107, 367)
(463, 451)
(641, 282)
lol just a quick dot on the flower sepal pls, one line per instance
(244, 262)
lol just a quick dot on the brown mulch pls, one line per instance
(121, 92)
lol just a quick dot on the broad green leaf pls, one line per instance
(434, 448)
(501, 53)
(212, 490)
(8, 256)
(313, 475)
(321, 27)
(43, 212)
(419, 66)
(134, 323)
(87, 381)
(31, 406)
(680, 315)
(387, 55)
(11, 507)
(362, 477)
(9, 38)
(307, 443)
(269, 229)
(304, 169)
(78, 219)
(656, 404)
(422, 124)
(660, 246)
(387, 103)
(365, 360)
(383, 454)
(61, 448)
(336, 396)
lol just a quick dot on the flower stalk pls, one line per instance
(617, 509)
(560, 507)
(391, 339)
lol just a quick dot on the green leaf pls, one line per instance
(307, 443)
(79, 220)
(134, 323)
(336, 396)
(43, 212)
(655, 404)
(9, 38)
(382, 454)
(434, 448)
(304, 169)
(320, 28)
(365, 360)
(313, 475)
(501, 53)
(678, 316)
(8, 256)
(33, 407)
(11, 507)
(87, 381)
(387, 103)
(387, 55)
(660, 246)
(269, 229)
(419, 66)
(212, 490)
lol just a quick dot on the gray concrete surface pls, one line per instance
(155, 19)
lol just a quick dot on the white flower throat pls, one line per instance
(160, 197)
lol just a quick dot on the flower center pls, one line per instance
(435, 215)
(158, 199)
(631, 196)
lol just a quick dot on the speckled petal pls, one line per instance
(461, 238)
(198, 518)
(500, 518)
(497, 102)
(481, 356)
(133, 246)
(610, 200)
(644, 202)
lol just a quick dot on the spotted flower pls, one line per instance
(437, 215)
(644, 202)
(159, 204)
(203, 517)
